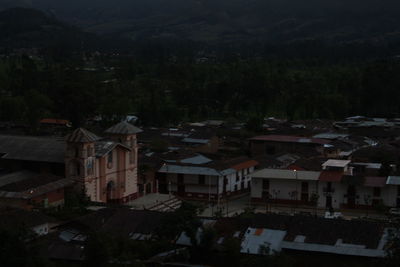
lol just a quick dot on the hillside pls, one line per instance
(334, 21)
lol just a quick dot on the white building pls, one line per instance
(284, 186)
(202, 178)
(340, 184)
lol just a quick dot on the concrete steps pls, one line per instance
(169, 205)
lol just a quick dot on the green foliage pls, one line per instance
(96, 252)
(183, 219)
(159, 145)
(164, 93)
(254, 124)
(393, 247)
(17, 249)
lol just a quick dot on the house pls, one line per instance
(199, 177)
(338, 184)
(29, 190)
(201, 139)
(268, 234)
(69, 240)
(275, 144)
(35, 221)
(104, 168)
(284, 186)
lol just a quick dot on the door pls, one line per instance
(328, 202)
(162, 183)
(351, 196)
(148, 188)
(110, 191)
(304, 192)
(181, 190)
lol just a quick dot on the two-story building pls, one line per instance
(339, 184)
(199, 177)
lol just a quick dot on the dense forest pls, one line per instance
(171, 89)
(50, 69)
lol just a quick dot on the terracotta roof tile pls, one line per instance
(375, 181)
(331, 176)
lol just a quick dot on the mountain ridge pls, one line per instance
(279, 21)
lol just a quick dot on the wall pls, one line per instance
(41, 229)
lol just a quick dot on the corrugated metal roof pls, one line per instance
(330, 136)
(286, 174)
(336, 163)
(200, 159)
(103, 147)
(337, 249)
(81, 135)
(368, 165)
(123, 128)
(29, 148)
(13, 177)
(195, 140)
(255, 238)
(290, 139)
(393, 180)
(188, 170)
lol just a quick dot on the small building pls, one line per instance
(29, 190)
(284, 186)
(275, 144)
(199, 177)
(17, 219)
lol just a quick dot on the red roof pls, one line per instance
(375, 181)
(291, 139)
(294, 167)
(245, 165)
(54, 121)
(331, 176)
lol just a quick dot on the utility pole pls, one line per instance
(296, 192)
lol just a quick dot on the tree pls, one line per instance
(96, 250)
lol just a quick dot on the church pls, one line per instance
(105, 168)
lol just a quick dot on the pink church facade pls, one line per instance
(105, 168)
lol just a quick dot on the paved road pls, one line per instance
(237, 206)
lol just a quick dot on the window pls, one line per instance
(304, 187)
(237, 177)
(377, 192)
(265, 185)
(202, 179)
(132, 157)
(90, 151)
(89, 166)
(110, 159)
